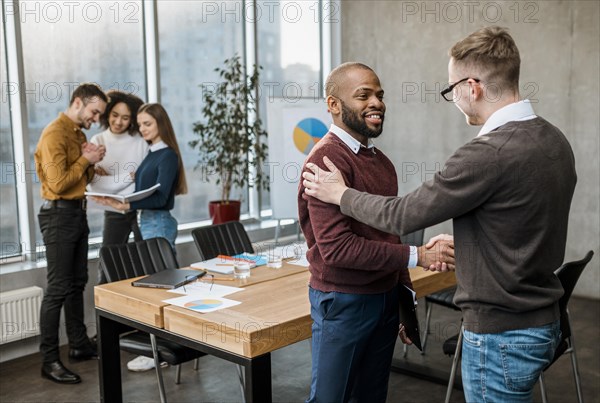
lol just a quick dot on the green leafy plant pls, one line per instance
(231, 146)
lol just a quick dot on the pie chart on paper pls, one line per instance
(307, 133)
(202, 305)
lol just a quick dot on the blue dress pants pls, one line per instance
(353, 338)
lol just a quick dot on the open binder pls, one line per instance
(139, 195)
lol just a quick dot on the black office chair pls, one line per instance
(120, 262)
(568, 274)
(229, 238)
(443, 298)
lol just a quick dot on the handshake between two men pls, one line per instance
(329, 186)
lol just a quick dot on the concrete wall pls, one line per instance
(406, 42)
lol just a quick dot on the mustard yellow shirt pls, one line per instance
(59, 163)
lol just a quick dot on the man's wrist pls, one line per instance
(413, 259)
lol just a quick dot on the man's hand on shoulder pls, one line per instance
(437, 254)
(327, 186)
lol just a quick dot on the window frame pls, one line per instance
(32, 249)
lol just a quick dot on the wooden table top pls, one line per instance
(274, 310)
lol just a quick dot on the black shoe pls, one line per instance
(56, 371)
(83, 354)
(94, 341)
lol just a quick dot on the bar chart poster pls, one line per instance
(294, 128)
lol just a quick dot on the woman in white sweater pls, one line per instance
(125, 150)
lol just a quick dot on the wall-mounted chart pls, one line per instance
(294, 128)
(307, 133)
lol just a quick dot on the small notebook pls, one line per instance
(169, 279)
(224, 264)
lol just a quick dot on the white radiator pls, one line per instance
(20, 313)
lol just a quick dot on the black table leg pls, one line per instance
(109, 364)
(257, 387)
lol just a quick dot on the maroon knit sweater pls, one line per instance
(344, 254)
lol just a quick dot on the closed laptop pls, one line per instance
(169, 279)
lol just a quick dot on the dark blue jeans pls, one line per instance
(65, 233)
(353, 338)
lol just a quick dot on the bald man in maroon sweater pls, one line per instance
(355, 269)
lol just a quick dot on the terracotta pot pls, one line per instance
(224, 212)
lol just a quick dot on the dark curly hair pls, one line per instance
(133, 103)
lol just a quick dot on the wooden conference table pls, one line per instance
(274, 313)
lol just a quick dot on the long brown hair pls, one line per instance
(167, 134)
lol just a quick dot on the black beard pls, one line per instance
(352, 121)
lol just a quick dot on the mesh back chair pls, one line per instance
(413, 239)
(568, 274)
(120, 262)
(229, 238)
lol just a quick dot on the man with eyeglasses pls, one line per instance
(509, 192)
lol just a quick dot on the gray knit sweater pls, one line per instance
(509, 193)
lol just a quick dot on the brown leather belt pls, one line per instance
(79, 204)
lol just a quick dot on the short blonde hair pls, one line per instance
(493, 54)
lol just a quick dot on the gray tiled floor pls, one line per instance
(216, 380)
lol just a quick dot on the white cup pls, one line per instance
(275, 261)
(241, 270)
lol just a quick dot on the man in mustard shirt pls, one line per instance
(64, 163)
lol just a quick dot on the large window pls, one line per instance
(63, 44)
(68, 43)
(9, 225)
(289, 53)
(194, 38)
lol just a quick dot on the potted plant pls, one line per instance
(231, 146)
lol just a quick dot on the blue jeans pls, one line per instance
(353, 338)
(158, 223)
(504, 367)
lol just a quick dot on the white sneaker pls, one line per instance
(141, 363)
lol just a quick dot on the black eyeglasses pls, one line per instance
(202, 279)
(448, 89)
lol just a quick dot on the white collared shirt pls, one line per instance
(350, 141)
(355, 146)
(158, 146)
(516, 112)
